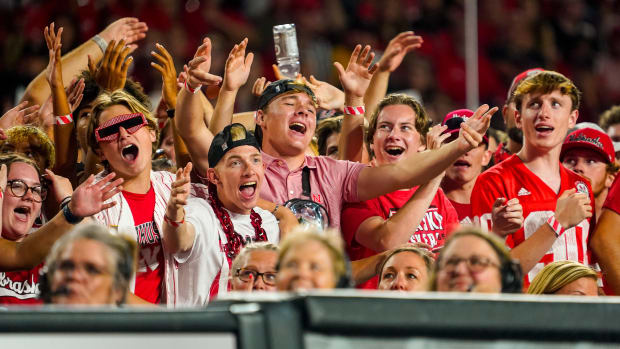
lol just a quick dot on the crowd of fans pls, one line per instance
(232, 179)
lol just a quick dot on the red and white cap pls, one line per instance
(592, 139)
(455, 118)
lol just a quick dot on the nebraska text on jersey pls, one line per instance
(23, 289)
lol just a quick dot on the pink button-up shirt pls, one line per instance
(332, 182)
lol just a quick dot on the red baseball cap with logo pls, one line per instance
(519, 78)
(455, 118)
(592, 139)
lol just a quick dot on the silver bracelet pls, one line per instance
(103, 45)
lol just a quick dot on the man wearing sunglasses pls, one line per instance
(123, 134)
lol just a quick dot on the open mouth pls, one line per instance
(248, 189)
(394, 150)
(544, 129)
(462, 163)
(22, 213)
(130, 152)
(298, 127)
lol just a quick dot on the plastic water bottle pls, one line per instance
(287, 52)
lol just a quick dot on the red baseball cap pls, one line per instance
(455, 118)
(592, 139)
(519, 78)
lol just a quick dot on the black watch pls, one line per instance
(69, 216)
(170, 113)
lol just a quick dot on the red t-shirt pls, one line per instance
(20, 287)
(439, 221)
(512, 179)
(150, 273)
(613, 197)
(464, 212)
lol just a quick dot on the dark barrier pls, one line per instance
(345, 319)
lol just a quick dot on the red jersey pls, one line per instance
(21, 287)
(512, 179)
(464, 212)
(613, 197)
(150, 273)
(439, 221)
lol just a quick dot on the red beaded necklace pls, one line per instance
(234, 241)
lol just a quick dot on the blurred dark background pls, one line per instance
(578, 38)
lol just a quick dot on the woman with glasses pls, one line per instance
(20, 207)
(474, 261)
(255, 268)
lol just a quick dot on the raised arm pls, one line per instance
(178, 235)
(129, 28)
(355, 80)
(396, 50)
(189, 109)
(235, 75)
(169, 91)
(419, 168)
(87, 199)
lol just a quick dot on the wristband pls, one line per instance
(173, 223)
(355, 110)
(64, 202)
(275, 210)
(555, 226)
(64, 119)
(103, 45)
(69, 216)
(170, 113)
(192, 90)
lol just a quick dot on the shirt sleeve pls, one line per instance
(201, 217)
(353, 215)
(613, 197)
(351, 171)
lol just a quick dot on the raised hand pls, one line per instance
(17, 115)
(259, 86)
(75, 93)
(179, 193)
(435, 137)
(54, 68)
(129, 29)
(328, 96)
(279, 76)
(89, 197)
(237, 67)
(507, 216)
(165, 66)
(112, 72)
(396, 50)
(197, 70)
(572, 207)
(60, 186)
(356, 78)
(475, 127)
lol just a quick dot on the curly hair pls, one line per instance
(38, 141)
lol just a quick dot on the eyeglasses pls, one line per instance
(108, 131)
(19, 189)
(247, 275)
(475, 263)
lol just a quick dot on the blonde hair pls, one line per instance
(558, 274)
(546, 82)
(425, 254)
(119, 97)
(329, 238)
(22, 134)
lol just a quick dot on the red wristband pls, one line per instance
(192, 90)
(64, 119)
(173, 223)
(355, 110)
(556, 226)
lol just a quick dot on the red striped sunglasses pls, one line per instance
(108, 131)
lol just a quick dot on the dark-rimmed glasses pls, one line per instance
(108, 131)
(475, 263)
(249, 275)
(19, 189)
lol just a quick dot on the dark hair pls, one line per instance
(326, 128)
(610, 117)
